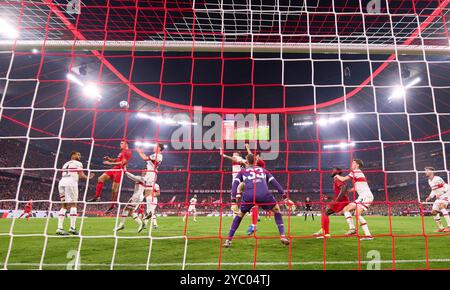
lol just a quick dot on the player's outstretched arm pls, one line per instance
(84, 176)
(133, 177)
(430, 197)
(226, 156)
(276, 184)
(114, 162)
(343, 178)
(247, 146)
(142, 154)
(107, 158)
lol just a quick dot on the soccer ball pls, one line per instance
(123, 104)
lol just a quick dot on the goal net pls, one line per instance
(309, 85)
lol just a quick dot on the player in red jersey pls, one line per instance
(255, 212)
(339, 202)
(28, 209)
(115, 174)
(141, 211)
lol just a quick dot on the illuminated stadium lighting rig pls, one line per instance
(327, 120)
(400, 92)
(7, 30)
(342, 145)
(146, 144)
(166, 121)
(91, 90)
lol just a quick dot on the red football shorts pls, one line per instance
(337, 206)
(116, 176)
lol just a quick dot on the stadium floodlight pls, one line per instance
(146, 144)
(7, 30)
(342, 145)
(74, 79)
(185, 123)
(348, 117)
(400, 92)
(326, 121)
(34, 50)
(162, 120)
(306, 123)
(91, 90)
(322, 122)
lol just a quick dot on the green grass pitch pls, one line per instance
(203, 245)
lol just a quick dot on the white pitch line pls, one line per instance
(238, 263)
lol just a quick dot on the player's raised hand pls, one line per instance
(106, 158)
(91, 175)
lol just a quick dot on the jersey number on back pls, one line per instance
(255, 173)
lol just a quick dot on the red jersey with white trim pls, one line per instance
(141, 209)
(360, 182)
(261, 163)
(439, 188)
(124, 154)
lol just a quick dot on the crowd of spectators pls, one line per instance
(208, 177)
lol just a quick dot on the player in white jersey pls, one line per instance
(133, 203)
(153, 163)
(72, 171)
(441, 192)
(151, 196)
(237, 164)
(143, 184)
(192, 209)
(362, 203)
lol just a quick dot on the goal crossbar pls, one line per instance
(212, 46)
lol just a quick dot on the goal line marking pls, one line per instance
(235, 263)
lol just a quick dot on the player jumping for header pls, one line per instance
(142, 183)
(340, 201)
(153, 162)
(256, 192)
(115, 174)
(362, 203)
(439, 190)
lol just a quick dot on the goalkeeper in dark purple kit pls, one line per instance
(256, 192)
